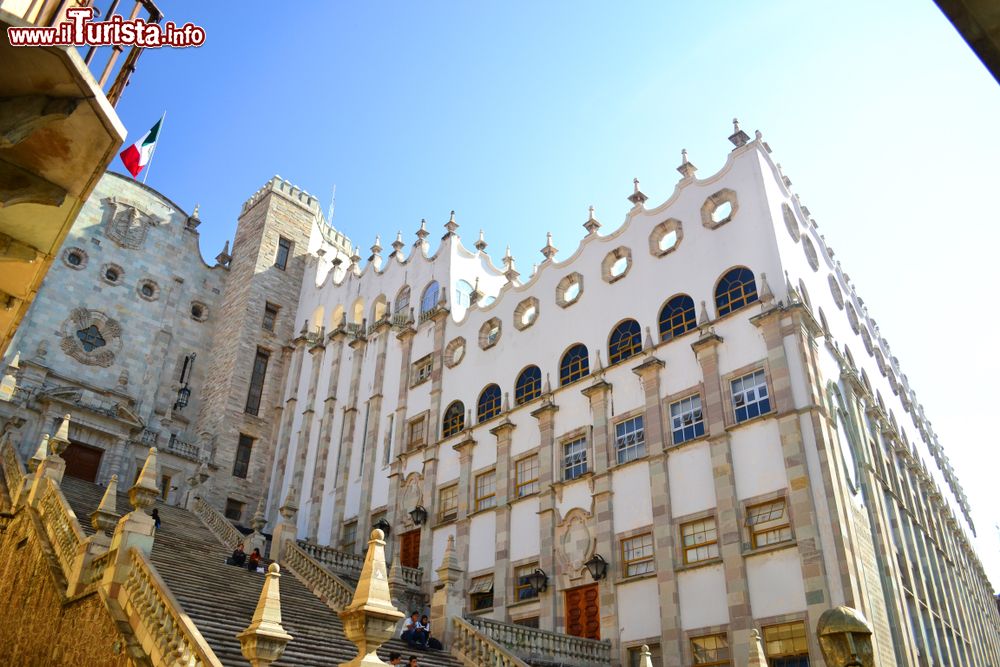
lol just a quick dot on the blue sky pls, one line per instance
(519, 115)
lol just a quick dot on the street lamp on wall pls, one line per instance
(538, 580)
(597, 566)
(418, 514)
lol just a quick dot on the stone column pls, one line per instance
(405, 338)
(308, 417)
(548, 514)
(448, 600)
(466, 496)
(335, 352)
(504, 432)
(348, 426)
(374, 412)
(285, 430)
(440, 318)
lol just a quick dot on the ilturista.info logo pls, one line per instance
(79, 29)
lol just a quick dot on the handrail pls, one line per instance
(13, 469)
(60, 523)
(325, 585)
(217, 523)
(475, 649)
(163, 629)
(531, 643)
(350, 565)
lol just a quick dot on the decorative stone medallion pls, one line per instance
(91, 337)
(576, 543)
(126, 223)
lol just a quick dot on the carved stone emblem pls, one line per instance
(576, 543)
(126, 223)
(91, 337)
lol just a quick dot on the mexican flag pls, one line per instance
(137, 156)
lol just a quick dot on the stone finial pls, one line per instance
(592, 224)
(377, 246)
(451, 226)
(549, 250)
(686, 169)
(703, 319)
(599, 366)
(738, 137)
(259, 520)
(398, 245)
(224, 258)
(103, 519)
(41, 453)
(793, 294)
(784, 179)
(645, 657)
(638, 198)
(449, 561)
(648, 343)
(143, 494)
(756, 658)
(370, 619)
(422, 233)
(289, 507)
(356, 256)
(766, 295)
(264, 639)
(15, 362)
(481, 241)
(506, 402)
(60, 441)
(547, 389)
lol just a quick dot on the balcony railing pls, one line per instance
(349, 565)
(535, 646)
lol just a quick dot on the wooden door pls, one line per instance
(409, 549)
(82, 461)
(583, 612)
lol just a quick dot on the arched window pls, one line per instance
(430, 297)
(625, 341)
(529, 385)
(677, 317)
(402, 300)
(454, 419)
(463, 293)
(574, 365)
(735, 290)
(489, 403)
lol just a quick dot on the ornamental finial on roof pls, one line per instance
(686, 169)
(592, 225)
(397, 245)
(508, 262)
(197, 207)
(738, 137)
(637, 197)
(784, 179)
(481, 243)
(549, 250)
(422, 233)
(766, 295)
(356, 255)
(451, 226)
(377, 248)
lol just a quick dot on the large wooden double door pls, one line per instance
(583, 612)
(82, 461)
(409, 548)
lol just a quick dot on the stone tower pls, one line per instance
(249, 351)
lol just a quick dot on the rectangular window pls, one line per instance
(630, 440)
(574, 458)
(686, 419)
(234, 510)
(700, 540)
(257, 381)
(481, 593)
(710, 650)
(421, 371)
(768, 523)
(448, 503)
(242, 463)
(523, 590)
(415, 433)
(349, 536)
(637, 555)
(635, 655)
(527, 476)
(284, 250)
(786, 645)
(750, 397)
(270, 317)
(164, 486)
(486, 490)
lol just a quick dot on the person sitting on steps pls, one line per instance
(255, 560)
(412, 662)
(239, 557)
(395, 658)
(430, 642)
(412, 634)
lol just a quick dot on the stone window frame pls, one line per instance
(785, 619)
(532, 482)
(620, 540)
(235, 503)
(75, 250)
(109, 266)
(852, 317)
(713, 202)
(204, 311)
(484, 333)
(421, 370)
(620, 419)
(730, 412)
(812, 257)
(747, 532)
(633, 647)
(480, 503)
(564, 284)
(421, 420)
(682, 549)
(351, 524)
(270, 308)
(450, 358)
(151, 283)
(678, 397)
(835, 291)
(660, 232)
(521, 309)
(612, 258)
(698, 633)
(532, 563)
(107, 327)
(791, 224)
(452, 516)
(476, 581)
(581, 433)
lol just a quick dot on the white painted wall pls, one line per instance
(632, 505)
(638, 610)
(775, 583)
(702, 593)
(524, 536)
(758, 463)
(692, 485)
(482, 541)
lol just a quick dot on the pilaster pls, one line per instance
(335, 352)
(348, 426)
(308, 417)
(550, 602)
(504, 433)
(374, 419)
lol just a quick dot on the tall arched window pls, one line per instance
(454, 419)
(677, 317)
(529, 385)
(625, 341)
(402, 300)
(463, 293)
(575, 364)
(489, 403)
(430, 297)
(735, 290)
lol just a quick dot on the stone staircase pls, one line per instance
(220, 598)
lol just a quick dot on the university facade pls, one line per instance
(687, 431)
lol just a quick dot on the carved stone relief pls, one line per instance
(126, 223)
(91, 337)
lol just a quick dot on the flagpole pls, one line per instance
(158, 135)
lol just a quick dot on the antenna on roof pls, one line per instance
(333, 205)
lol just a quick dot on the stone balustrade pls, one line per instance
(532, 644)
(166, 634)
(350, 565)
(183, 449)
(98, 566)
(327, 586)
(13, 469)
(60, 524)
(217, 523)
(474, 648)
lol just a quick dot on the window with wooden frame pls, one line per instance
(700, 540)
(165, 486)
(750, 396)
(454, 419)
(528, 386)
(637, 555)
(486, 490)
(710, 650)
(574, 458)
(575, 364)
(416, 433)
(687, 421)
(526, 476)
(677, 317)
(421, 370)
(489, 403)
(349, 536)
(448, 503)
(735, 290)
(270, 317)
(635, 655)
(786, 644)
(481, 593)
(523, 590)
(625, 341)
(630, 440)
(768, 523)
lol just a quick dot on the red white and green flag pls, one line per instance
(138, 155)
